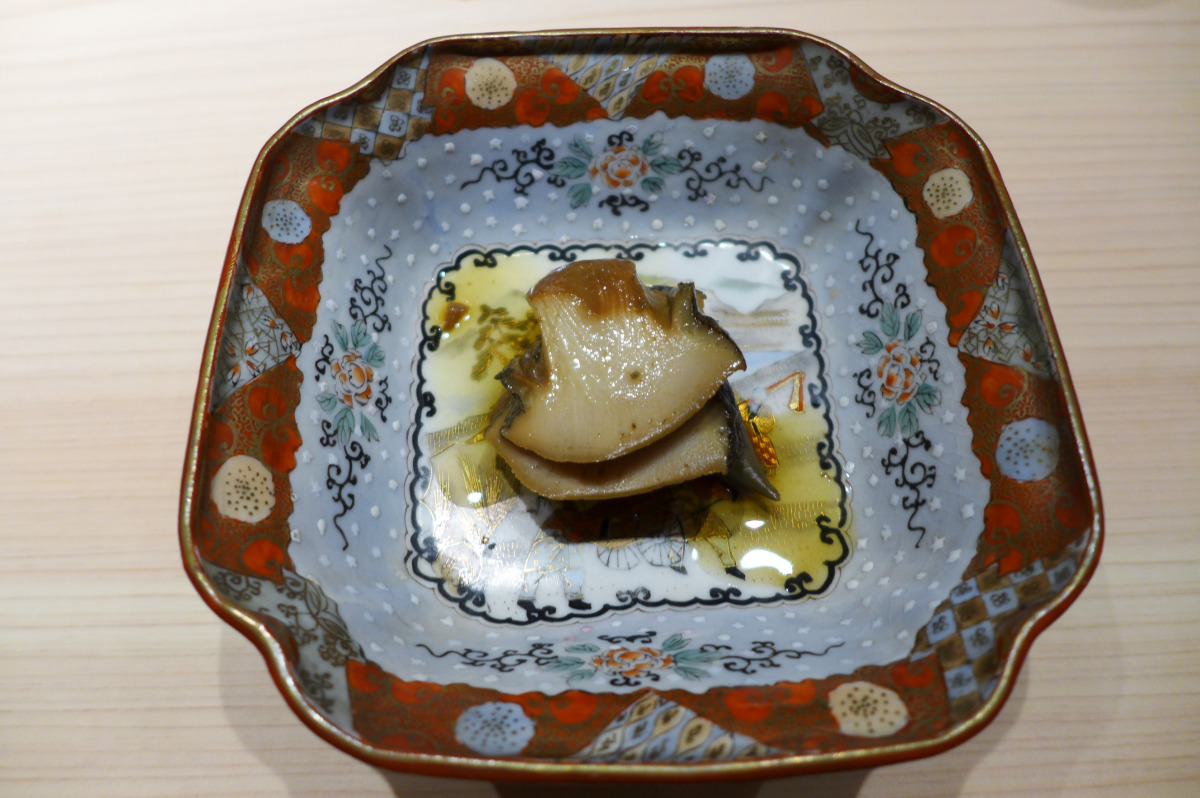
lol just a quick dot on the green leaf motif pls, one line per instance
(912, 323)
(343, 422)
(580, 148)
(908, 420)
(584, 648)
(342, 336)
(652, 144)
(368, 429)
(695, 655)
(666, 166)
(674, 643)
(580, 676)
(653, 185)
(870, 344)
(887, 422)
(564, 663)
(358, 334)
(689, 672)
(580, 194)
(891, 321)
(328, 401)
(927, 397)
(373, 356)
(569, 168)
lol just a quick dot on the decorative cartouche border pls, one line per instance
(472, 601)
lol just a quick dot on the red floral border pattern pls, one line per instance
(257, 420)
(420, 716)
(315, 174)
(962, 256)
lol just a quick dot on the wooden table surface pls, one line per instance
(127, 129)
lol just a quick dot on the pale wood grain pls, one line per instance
(126, 133)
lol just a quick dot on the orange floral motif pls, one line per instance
(325, 192)
(960, 311)
(774, 60)
(1073, 510)
(352, 379)
(908, 157)
(623, 165)
(772, 106)
(253, 422)
(632, 662)
(279, 447)
(686, 83)
(573, 706)
(1000, 385)
(353, 387)
(558, 87)
(365, 677)
(898, 373)
(415, 692)
(570, 706)
(748, 704)
(220, 439)
(300, 292)
(624, 665)
(264, 558)
(912, 674)
(266, 402)
(620, 167)
(311, 176)
(451, 94)
(953, 246)
(532, 108)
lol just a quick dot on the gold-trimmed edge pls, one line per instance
(542, 770)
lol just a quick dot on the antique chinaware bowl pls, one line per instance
(904, 388)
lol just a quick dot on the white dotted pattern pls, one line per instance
(820, 196)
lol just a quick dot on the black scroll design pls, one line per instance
(926, 350)
(866, 395)
(619, 139)
(802, 584)
(624, 680)
(644, 638)
(914, 475)
(880, 270)
(340, 478)
(367, 303)
(763, 655)
(616, 202)
(717, 170)
(383, 400)
(323, 362)
(540, 654)
(520, 172)
(637, 595)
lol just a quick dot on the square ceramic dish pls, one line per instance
(421, 610)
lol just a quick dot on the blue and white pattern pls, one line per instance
(412, 217)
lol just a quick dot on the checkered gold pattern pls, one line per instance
(965, 627)
(379, 126)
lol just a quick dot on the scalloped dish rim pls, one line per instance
(281, 666)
